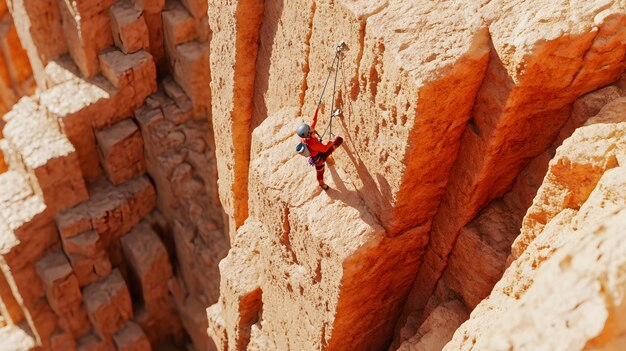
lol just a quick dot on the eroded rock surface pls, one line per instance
(150, 196)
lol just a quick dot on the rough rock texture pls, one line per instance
(562, 291)
(151, 175)
(302, 269)
(110, 223)
(522, 119)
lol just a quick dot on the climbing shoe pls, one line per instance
(338, 141)
(324, 186)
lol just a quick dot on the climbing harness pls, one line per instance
(333, 113)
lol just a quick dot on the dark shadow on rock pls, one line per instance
(269, 26)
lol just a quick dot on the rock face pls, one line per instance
(562, 291)
(111, 226)
(150, 196)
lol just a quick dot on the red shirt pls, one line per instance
(315, 146)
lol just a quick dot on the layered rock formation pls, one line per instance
(160, 142)
(111, 223)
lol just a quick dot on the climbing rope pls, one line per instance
(336, 61)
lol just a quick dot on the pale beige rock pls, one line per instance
(120, 147)
(80, 105)
(108, 304)
(46, 155)
(232, 67)
(523, 102)
(309, 262)
(60, 70)
(16, 339)
(575, 170)
(404, 109)
(130, 31)
(570, 294)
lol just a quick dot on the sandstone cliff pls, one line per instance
(150, 196)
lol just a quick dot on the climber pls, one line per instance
(318, 152)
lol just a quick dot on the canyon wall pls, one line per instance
(151, 196)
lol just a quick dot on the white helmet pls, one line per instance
(304, 131)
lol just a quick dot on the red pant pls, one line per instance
(320, 163)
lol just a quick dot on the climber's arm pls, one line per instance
(315, 118)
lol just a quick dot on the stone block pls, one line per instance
(88, 257)
(92, 342)
(149, 266)
(121, 69)
(75, 321)
(60, 70)
(192, 72)
(87, 31)
(131, 338)
(130, 31)
(59, 281)
(46, 154)
(178, 26)
(108, 304)
(120, 147)
(111, 210)
(150, 6)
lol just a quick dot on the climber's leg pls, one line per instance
(320, 167)
(336, 143)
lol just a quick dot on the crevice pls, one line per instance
(355, 89)
(250, 313)
(307, 52)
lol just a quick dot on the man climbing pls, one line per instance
(319, 152)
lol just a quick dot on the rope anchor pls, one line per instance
(339, 49)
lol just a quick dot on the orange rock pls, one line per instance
(87, 256)
(120, 147)
(131, 338)
(149, 265)
(111, 211)
(40, 31)
(108, 304)
(232, 70)
(130, 32)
